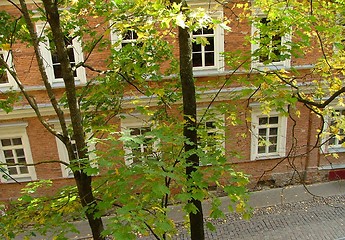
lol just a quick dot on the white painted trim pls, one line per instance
(18, 130)
(327, 148)
(11, 82)
(47, 58)
(63, 154)
(134, 121)
(215, 117)
(256, 64)
(281, 138)
(332, 167)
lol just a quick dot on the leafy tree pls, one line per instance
(130, 194)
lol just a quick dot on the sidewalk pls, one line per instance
(277, 196)
(258, 199)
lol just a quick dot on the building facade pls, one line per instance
(274, 149)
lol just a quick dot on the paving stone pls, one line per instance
(318, 219)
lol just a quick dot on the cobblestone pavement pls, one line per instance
(319, 219)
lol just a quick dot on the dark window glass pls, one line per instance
(3, 72)
(56, 62)
(270, 46)
(204, 55)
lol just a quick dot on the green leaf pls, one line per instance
(210, 226)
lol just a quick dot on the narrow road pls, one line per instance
(320, 219)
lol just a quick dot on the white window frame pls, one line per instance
(327, 147)
(256, 64)
(134, 121)
(17, 130)
(116, 38)
(7, 55)
(63, 154)
(217, 12)
(281, 135)
(218, 35)
(48, 63)
(215, 117)
(132, 40)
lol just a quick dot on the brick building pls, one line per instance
(290, 150)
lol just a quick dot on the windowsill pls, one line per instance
(18, 179)
(267, 157)
(59, 83)
(332, 167)
(272, 66)
(7, 87)
(335, 149)
(202, 72)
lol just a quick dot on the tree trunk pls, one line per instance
(190, 126)
(83, 181)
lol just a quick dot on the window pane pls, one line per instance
(12, 170)
(210, 47)
(207, 30)
(21, 160)
(272, 148)
(135, 131)
(71, 54)
(23, 170)
(145, 130)
(10, 160)
(3, 76)
(273, 120)
(6, 142)
(210, 125)
(273, 140)
(20, 152)
(55, 58)
(262, 132)
(197, 59)
(196, 47)
(56, 63)
(261, 149)
(197, 32)
(8, 153)
(3, 73)
(17, 141)
(57, 71)
(209, 59)
(273, 131)
(263, 120)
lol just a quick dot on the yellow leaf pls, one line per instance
(6, 47)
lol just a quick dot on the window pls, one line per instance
(63, 154)
(208, 43)
(204, 56)
(129, 38)
(208, 56)
(6, 80)
(268, 135)
(338, 135)
(211, 139)
(270, 44)
(335, 136)
(273, 43)
(15, 150)
(211, 136)
(140, 147)
(56, 63)
(139, 144)
(52, 63)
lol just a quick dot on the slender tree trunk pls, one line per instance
(190, 126)
(83, 181)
